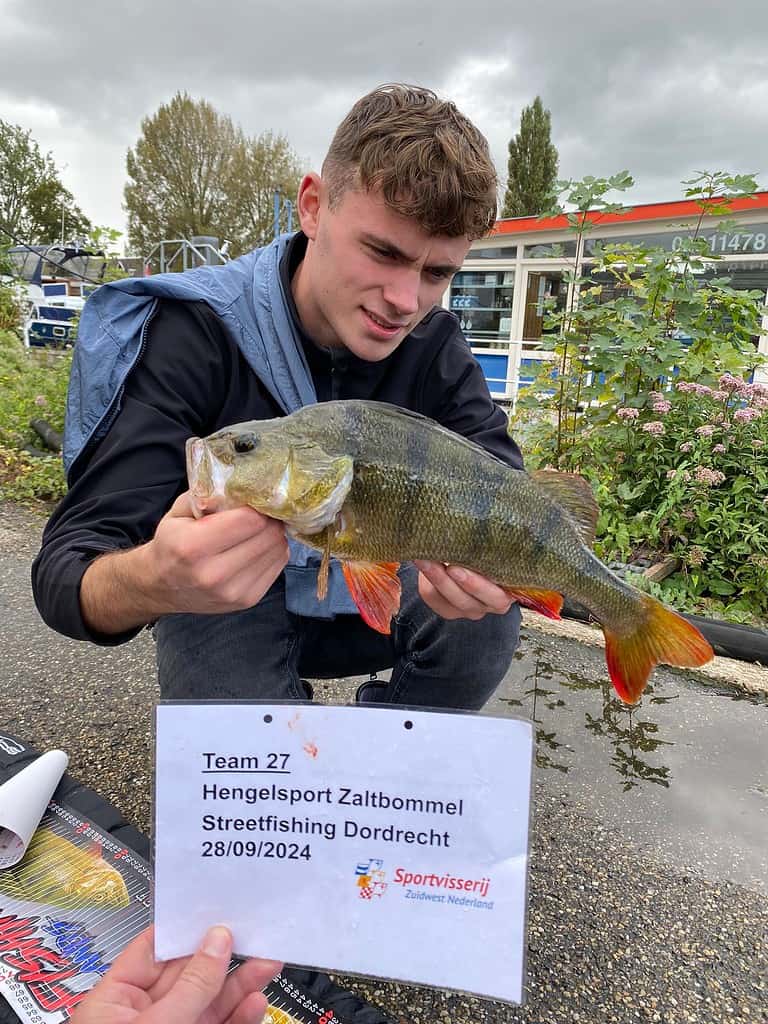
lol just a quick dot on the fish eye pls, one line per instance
(244, 444)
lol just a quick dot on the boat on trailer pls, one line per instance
(55, 280)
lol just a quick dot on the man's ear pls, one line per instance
(308, 203)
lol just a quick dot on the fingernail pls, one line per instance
(457, 573)
(217, 941)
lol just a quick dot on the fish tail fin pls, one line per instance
(660, 636)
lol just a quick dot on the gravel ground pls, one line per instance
(617, 932)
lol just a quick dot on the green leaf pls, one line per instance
(722, 587)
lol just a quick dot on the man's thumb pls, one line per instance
(183, 507)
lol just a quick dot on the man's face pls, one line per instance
(370, 275)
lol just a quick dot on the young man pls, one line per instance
(346, 308)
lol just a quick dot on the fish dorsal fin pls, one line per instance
(572, 493)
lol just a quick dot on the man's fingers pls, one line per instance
(449, 591)
(250, 1011)
(490, 595)
(224, 530)
(456, 592)
(249, 568)
(240, 999)
(231, 525)
(198, 984)
(136, 964)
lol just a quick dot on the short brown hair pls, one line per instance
(429, 161)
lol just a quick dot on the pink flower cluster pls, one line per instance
(690, 387)
(757, 394)
(627, 414)
(708, 477)
(706, 431)
(746, 415)
(661, 406)
(654, 427)
(719, 448)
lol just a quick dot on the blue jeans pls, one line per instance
(262, 653)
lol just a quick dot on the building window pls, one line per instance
(549, 250)
(482, 300)
(505, 252)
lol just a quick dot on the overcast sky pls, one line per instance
(659, 88)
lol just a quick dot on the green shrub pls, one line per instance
(32, 385)
(687, 475)
(30, 479)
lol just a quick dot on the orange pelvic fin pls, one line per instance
(661, 636)
(545, 602)
(375, 588)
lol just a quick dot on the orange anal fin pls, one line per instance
(375, 589)
(660, 637)
(545, 602)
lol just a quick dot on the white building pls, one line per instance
(498, 295)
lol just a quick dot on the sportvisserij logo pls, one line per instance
(371, 879)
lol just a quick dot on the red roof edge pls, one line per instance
(633, 215)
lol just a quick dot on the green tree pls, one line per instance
(267, 163)
(32, 197)
(532, 165)
(194, 172)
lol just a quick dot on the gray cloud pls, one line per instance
(661, 90)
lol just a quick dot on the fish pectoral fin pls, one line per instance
(572, 493)
(545, 602)
(375, 589)
(325, 564)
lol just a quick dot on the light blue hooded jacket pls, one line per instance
(248, 297)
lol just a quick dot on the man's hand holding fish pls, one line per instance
(457, 593)
(214, 565)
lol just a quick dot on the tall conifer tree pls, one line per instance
(532, 166)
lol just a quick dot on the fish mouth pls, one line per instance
(207, 477)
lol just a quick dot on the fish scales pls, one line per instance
(428, 494)
(463, 505)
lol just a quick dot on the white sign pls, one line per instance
(375, 841)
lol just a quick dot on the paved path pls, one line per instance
(648, 873)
